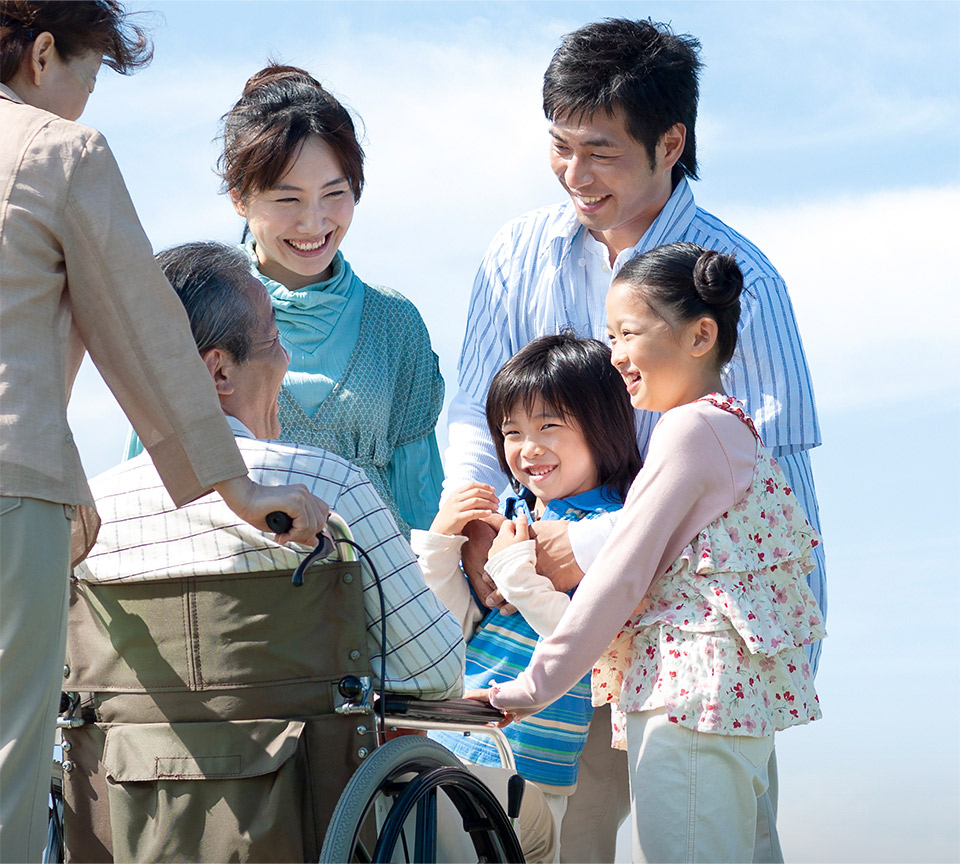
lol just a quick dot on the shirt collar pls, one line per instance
(238, 429)
(7, 93)
(672, 221)
(669, 226)
(566, 225)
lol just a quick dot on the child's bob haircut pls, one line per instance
(573, 377)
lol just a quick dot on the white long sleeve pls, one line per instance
(439, 558)
(514, 571)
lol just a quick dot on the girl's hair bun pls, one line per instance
(717, 279)
(682, 281)
(275, 73)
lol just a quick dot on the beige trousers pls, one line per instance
(694, 795)
(601, 801)
(535, 825)
(34, 565)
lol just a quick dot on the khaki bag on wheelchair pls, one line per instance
(210, 730)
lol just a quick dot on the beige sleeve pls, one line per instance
(137, 333)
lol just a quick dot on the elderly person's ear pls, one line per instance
(219, 363)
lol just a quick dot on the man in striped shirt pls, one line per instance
(621, 99)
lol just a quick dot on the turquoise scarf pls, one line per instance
(307, 317)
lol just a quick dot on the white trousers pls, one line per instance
(34, 564)
(557, 805)
(695, 796)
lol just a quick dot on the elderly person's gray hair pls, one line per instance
(211, 280)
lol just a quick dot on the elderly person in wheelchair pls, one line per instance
(216, 712)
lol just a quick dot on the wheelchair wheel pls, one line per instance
(388, 811)
(53, 851)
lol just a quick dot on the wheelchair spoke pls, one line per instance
(426, 836)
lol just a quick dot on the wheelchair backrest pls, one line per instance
(210, 706)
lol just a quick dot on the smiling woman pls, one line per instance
(363, 381)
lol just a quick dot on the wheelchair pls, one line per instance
(194, 728)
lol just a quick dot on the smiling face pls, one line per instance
(547, 453)
(661, 365)
(299, 223)
(608, 176)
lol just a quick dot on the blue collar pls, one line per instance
(586, 505)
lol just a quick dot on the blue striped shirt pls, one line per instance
(535, 279)
(546, 746)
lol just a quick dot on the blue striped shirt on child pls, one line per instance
(546, 746)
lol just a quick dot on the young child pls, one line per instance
(564, 431)
(713, 544)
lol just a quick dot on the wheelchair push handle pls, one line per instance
(280, 522)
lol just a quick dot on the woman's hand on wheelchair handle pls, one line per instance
(252, 502)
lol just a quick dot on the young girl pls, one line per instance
(710, 551)
(564, 431)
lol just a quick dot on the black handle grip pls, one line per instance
(279, 522)
(515, 787)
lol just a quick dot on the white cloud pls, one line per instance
(874, 287)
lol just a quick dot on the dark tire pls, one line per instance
(410, 771)
(53, 851)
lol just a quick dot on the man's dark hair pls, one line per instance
(77, 26)
(639, 67)
(211, 280)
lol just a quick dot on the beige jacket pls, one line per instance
(77, 273)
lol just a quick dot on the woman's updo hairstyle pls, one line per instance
(280, 108)
(683, 281)
(77, 26)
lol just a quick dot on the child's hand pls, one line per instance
(511, 533)
(469, 502)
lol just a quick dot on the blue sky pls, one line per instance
(829, 133)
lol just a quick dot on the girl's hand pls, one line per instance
(511, 533)
(469, 502)
(484, 696)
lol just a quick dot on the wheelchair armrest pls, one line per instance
(455, 715)
(461, 711)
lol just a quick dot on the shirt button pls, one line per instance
(69, 438)
(582, 262)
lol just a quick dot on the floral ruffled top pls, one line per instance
(719, 639)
